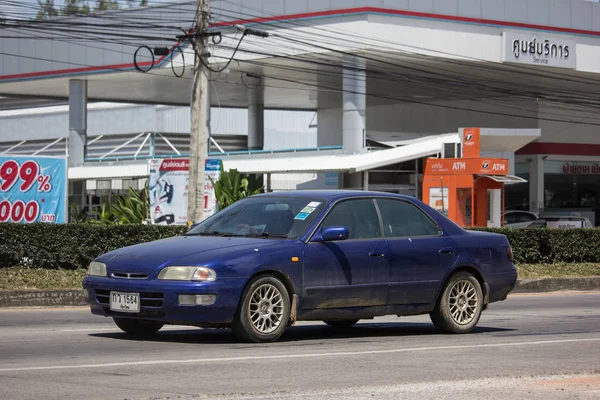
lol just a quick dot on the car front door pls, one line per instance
(419, 252)
(352, 272)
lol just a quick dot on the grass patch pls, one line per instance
(533, 271)
(18, 278)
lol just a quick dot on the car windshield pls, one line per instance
(263, 216)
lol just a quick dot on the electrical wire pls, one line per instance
(430, 80)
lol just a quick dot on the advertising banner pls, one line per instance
(169, 185)
(33, 189)
(438, 200)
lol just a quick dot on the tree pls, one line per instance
(75, 7)
(233, 186)
(135, 3)
(47, 9)
(104, 5)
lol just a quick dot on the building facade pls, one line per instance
(390, 82)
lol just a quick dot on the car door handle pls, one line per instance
(376, 255)
(446, 251)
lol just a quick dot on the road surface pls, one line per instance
(529, 346)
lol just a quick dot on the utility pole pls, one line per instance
(199, 110)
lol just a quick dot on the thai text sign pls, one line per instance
(33, 189)
(581, 169)
(169, 186)
(536, 50)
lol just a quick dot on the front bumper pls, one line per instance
(159, 299)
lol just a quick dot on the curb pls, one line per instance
(591, 283)
(74, 297)
(41, 298)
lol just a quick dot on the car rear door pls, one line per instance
(352, 272)
(420, 254)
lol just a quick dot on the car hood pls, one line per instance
(181, 250)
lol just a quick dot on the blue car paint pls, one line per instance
(417, 268)
(324, 282)
(343, 274)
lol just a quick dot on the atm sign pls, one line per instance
(475, 166)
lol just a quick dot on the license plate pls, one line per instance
(125, 302)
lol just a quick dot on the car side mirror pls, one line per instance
(333, 233)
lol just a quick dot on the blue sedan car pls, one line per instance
(272, 259)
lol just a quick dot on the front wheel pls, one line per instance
(264, 311)
(138, 327)
(459, 308)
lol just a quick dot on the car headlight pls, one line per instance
(188, 274)
(97, 269)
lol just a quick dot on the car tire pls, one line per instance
(264, 311)
(138, 327)
(342, 324)
(460, 305)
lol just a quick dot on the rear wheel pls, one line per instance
(138, 327)
(264, 311)
(347, 323)
(459, 308)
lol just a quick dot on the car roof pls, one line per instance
(334, 195)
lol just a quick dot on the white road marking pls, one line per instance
(89, 329)
(294, 356)
(111, 328)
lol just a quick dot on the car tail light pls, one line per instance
(511, 256)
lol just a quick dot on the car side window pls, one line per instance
(529, 217)
(359, 216)
(403, 219)
(510, 218)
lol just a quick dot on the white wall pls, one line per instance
(448, 117)
(579, 130)
(330, 127)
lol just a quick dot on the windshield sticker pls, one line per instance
(301, 216)
(307, 210)
(314, 204)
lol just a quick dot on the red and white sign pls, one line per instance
(169, 186)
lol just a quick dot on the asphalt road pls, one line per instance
(529, 347)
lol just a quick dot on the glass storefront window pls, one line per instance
(571, 184)
(516, 196)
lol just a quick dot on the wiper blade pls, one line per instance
(209, 233)
(267, 234)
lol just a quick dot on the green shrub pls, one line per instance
(71, 246)
(547, 246)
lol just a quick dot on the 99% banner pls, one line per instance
(32, 189)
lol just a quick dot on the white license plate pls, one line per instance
(125, 302)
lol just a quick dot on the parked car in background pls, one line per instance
(564, 222)
(269, 260)
(519, 218)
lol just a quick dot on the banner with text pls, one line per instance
(169, 185)
(33, 189)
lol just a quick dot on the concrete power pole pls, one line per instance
(199, 110)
